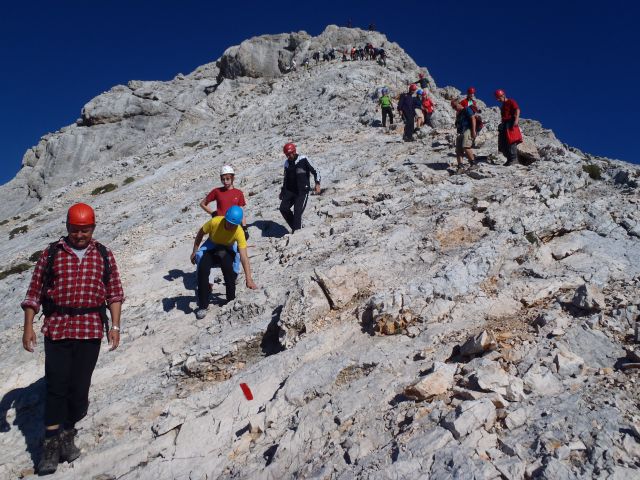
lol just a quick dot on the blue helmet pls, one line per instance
(234, 215)
(419, 92)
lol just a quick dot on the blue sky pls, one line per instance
(572, 65)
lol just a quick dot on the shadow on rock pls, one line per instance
(270, 228)
(189, 279)
(437, 165)
(28, 403)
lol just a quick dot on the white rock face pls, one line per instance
(400, 266)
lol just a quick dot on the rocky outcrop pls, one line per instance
(422, 324)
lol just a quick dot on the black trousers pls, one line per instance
(222, 257)
(387, 112)
(409, 126)
(68, 366)
(299, 202)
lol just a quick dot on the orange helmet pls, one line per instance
(81, 214)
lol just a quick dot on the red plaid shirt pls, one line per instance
(75, 284)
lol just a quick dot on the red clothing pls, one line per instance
(225, 199)
(427, 105)
(75, 284)
(508, 109)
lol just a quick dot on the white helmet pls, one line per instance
(227, 169)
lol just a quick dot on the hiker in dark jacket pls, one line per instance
(75, 281)
(296, 186)
(407, 106)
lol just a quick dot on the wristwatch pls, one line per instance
(115, 327)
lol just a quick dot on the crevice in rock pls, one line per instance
(269, 453)
(270, 343)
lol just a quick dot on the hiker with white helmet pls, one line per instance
(225, 196)
(75, 282)
(223, 232)
(295, 186)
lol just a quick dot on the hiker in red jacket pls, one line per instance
(470, 100)
(427, 108)
(75, 281)
(510, 112)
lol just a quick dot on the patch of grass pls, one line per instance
(35, 256)
(18, 231)
(4, 222)
(128, 180)
(21, 267)
(33, 215)
(594, 171)
(192, 144)
(109, 187)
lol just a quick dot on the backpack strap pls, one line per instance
(47, 277)
(106, 271)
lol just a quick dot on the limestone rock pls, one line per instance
(433, 384)
(481, 343)
(470, 416)
(589, 298)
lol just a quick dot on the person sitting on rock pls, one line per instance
(75, 281)
(295, 186)
(510, 112)
(223, 233)
(466, 129)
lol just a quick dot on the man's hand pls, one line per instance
(193, 258)
(280, 196)
(317, 189)
(29, 338)
(114, 339)
(251, 284)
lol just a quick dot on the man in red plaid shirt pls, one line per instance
(75, 286)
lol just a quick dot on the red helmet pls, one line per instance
(413, 87)
(81, 214)
(421, 75)
(289, 148)
(499, 93)
(471, 91)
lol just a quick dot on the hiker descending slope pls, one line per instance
(466, 129)
(75, 280)
(422, 81)
(407, 106)
(509, 135)
(427, 108)
(296, 186)
(225, 197)
(223, 233)
(386, 106)
(469, 100)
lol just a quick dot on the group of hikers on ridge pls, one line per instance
(76, 280)
(416, 108)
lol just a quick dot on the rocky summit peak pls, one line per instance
(421, 324)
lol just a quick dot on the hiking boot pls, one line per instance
(68, 450)
(50, 456)
(201, 313)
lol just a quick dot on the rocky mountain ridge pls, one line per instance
(421, 325)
